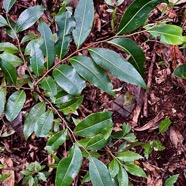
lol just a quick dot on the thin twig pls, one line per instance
(149, 82)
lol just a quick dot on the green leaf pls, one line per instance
(68, 167)
(91, 72)
(180, 71)
(169, 34)
(7, 4)
(164, 125)
(67, 78)
(28, 37)
(86, 178)
(11, 58)
(65, 25)
(9, 71)
(113, 168)
(172, 180)
(118, 66)
(32, 117)
(71, 105)
(41, 176)
(126, 128)
(56, 141)
(15, 104)
(135, 170)
(123, 178)
(48, 44)
(130, 137)
(109, 2)
(84, 16)
(2, 96)
(148, 147)
(8, 47)
(49, 85)
(136, 15)
(94, 124)
(137, 58)
(28, 17)
(44, 124)
(99, 174)
(4, 177)
(96, 143)
(3, 21)
(128, 156)
(37, 59)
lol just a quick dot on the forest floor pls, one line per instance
(165, 98)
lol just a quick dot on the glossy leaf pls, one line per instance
(9, 71)
(91, 72)
(8, 47)
(44, 124)
(109, 2)
(99, 174)
(128, 156)
(113, 168)
(48, 44)
(56, 141)
(84, 16)
(164, 125)
(3, 21)
(180, 71)
(7, 4)
(96, 143)
(126, 128)
(63, 97)
(130, 137)
(11, 58)
(2, 96)
(68, 167)
(118, 66)
(135, 170)
(137, 56)
(136, 15)
(172, 180)
(65, 25)
(169, 34)
(15, 104)
(71, 105)
(94, 124)
(37, 59)
(28, 17)
(123, 178)
(49, 85)
(32, 117)
(28, 37)
(67, 78)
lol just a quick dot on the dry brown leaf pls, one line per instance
(176, 138)
(152, 124)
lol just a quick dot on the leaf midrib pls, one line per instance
(115, 65)
(133, 17)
